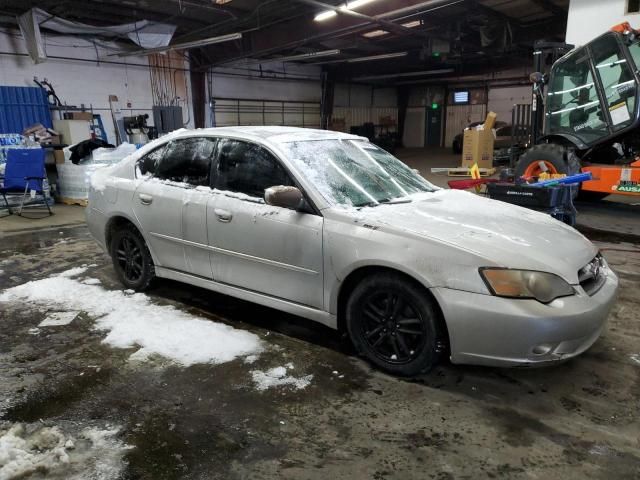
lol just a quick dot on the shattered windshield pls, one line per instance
(355, 173)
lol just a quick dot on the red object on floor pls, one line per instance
(474, 182)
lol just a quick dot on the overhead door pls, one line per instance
(238, 111)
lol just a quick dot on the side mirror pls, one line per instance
(285, 197)
(537, 78)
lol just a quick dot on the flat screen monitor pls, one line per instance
(461, 97)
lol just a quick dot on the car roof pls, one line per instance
(275, 134)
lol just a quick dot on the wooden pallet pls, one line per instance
(464, 172)
(83, 202)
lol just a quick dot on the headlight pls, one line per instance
(542, 286)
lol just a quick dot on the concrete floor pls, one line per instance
(574, 420)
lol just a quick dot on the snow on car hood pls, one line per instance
(505, 234)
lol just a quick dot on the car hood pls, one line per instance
(504, 234)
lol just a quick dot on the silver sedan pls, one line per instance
(329, 227)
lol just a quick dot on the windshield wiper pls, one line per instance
(393, 201)
(387, 201)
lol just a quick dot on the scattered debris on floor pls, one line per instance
(26, 450)
(278, 377)
(58, 319)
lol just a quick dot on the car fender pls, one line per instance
(428, 261)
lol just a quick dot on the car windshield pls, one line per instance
(355, 173)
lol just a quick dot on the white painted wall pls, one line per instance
(91, 82)
(502, 100)
(78, 81)
(590, 18)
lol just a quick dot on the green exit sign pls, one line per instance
(434, 106)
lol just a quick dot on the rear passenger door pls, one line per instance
(266, 249)
(172, 209)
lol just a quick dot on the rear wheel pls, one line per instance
(393, 323)
(131, 258)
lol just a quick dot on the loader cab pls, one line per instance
(592, 92)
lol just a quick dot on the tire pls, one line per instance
(131, 259)
(557, 158)
(456, 147)
(381, 329)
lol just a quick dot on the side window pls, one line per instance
(187, 160)
(248, 168)
(148, 164)
(617, 80)
(573, 104)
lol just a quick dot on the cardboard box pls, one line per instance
(88, 116)
(478, 144)
(73, 131)
(58, 155)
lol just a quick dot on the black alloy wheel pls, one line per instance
(392, 327)
(131, 259)
(393, 322)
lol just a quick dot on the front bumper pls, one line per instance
(496, 331)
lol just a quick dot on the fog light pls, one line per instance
(542, 349)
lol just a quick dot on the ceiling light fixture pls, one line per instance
(380, 33)
(305, 56)
(408, 74)
(293, 58)
(377, 57)
(347, 6)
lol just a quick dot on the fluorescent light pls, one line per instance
(347, 6)
(375, 33)
(325, 15)
(293, 58)
(377, 57)
(413, 24)
(380, 33)
(408, 74)
(304, 56)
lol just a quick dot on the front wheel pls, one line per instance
(548, 157)
(131, 259)
(393, 323)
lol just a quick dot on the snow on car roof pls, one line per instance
(275, 134)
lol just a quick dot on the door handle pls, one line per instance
(224, 216)
(145, 199)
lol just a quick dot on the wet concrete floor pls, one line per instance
(574, 420)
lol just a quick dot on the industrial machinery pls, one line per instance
(137, 129)
(591, 115)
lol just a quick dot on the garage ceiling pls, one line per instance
(424, 40)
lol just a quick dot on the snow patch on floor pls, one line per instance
(73, 272)
(278, 377)
(132, 320)
(94, 454)
(91, 281)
